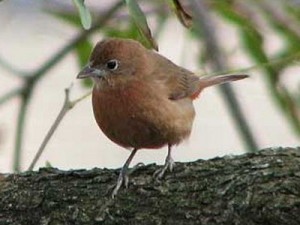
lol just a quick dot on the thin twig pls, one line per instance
(11, 70)
(20, 128)
(204, 24)
(73, 103)
(68, 105)
(10, 95)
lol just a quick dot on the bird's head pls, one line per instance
(116, 59)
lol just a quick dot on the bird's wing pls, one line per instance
(179, 82)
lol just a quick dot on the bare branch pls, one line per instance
(68, 105)
(10, 95)
(254, 189)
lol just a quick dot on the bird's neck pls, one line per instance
(120, 87)
(110, 84)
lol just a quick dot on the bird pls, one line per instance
(142, 100)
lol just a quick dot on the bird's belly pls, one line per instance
(134, 121)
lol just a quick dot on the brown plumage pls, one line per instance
(141, 99)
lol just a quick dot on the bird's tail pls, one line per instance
(207, 81)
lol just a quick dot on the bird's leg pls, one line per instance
(123, 176)
(169, 163)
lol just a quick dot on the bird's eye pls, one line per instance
(112, 64)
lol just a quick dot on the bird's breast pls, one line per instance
(140, 116)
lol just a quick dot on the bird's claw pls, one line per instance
(169, 164)
(124, 179)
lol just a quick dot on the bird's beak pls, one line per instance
(90, 72)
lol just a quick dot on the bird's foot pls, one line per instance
(124, 178)
(169, 164)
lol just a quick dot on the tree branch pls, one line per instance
(253, 189)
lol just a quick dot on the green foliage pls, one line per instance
(184, 17)
(140, 21)
(83, 51)
(84, 13)
(128, 31)
(70, 18)
(253, 42)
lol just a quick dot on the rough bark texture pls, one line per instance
(256, 188)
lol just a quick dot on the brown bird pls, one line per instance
(143, 100)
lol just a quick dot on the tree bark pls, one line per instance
(255, 188)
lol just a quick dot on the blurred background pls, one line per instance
(43, 45)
